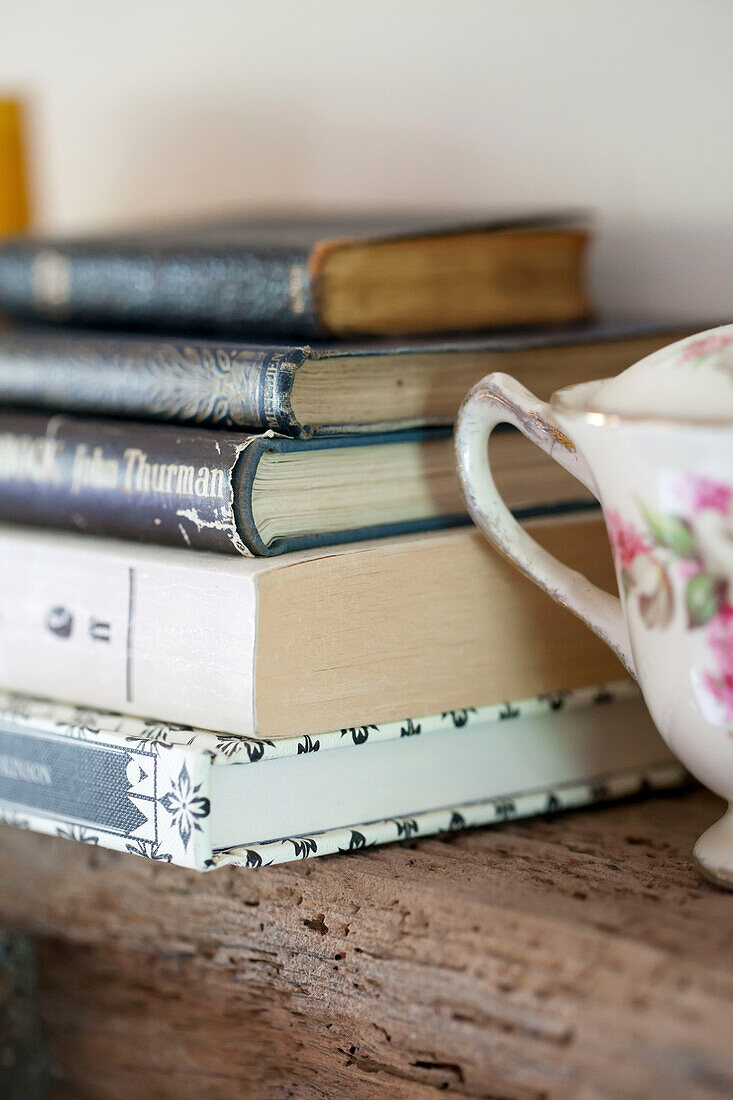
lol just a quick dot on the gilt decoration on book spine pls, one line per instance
(129, 480)
(198, 382)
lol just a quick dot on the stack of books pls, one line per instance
(243, 618)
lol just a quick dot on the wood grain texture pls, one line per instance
(23, 1063)
(579, 956)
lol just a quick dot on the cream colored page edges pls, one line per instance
(411, 387)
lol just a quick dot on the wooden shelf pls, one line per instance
(579, 956)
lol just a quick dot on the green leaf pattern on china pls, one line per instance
(669, 531)
(703, 598)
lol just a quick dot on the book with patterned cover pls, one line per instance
(207, 800)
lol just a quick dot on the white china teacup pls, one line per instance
(655, 446)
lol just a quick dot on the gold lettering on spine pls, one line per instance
(51, 280)
(156, 481)
(36, 459)
(129, 458)
(202, 482)
(269, 397)
(142, 476)
(137, 471)
(93, 470)
(170, 475)
(30, 458)
(184, 480)
(216, 488)
(298, 283)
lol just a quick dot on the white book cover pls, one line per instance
(205, 800)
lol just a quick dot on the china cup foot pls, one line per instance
(714, 851)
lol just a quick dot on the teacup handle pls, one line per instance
(499, 399)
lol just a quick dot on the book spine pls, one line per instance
(155, 483)
(137, 630)
(131, 794)
(224, 290)
(195, 383)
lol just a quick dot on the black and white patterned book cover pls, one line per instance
(144, 792)
(144, 787)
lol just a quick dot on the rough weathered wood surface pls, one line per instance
(23, 1067)
(574, 957)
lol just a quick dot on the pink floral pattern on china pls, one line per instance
(655, 445)
(701, 348)
(686, 548)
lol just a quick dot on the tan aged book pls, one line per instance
(309, 642)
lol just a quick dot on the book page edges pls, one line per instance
(458, 635)
(444, 281)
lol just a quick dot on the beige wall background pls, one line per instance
(150, 109)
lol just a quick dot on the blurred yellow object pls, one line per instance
(14, 214)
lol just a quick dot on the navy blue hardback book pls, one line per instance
(307, 275)
(304, 390)
(251, 494)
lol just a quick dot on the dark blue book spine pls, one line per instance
(192, 382)
(210, 289)
(146, 482)
(182, 487)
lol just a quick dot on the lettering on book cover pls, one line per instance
(45, 460)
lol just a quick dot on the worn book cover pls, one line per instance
(252, 494)
(306, 275)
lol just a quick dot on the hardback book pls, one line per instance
(206, 800)
(306, 275)
(252, 494)
(303, 390)
(309, 641)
